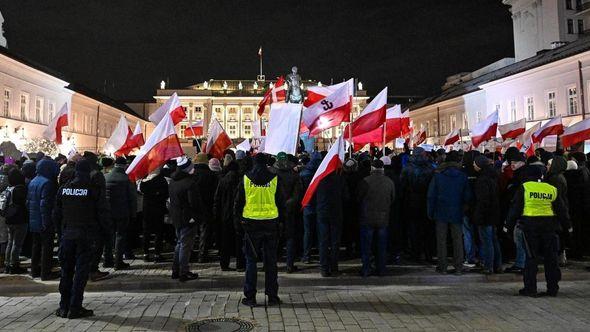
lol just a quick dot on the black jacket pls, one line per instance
(186, 203)
(330, 196)
(486, 207)
(224, 197)
(414, 181)
(259, 175)
(121, 194)
(18, 212)
(155, 194)
(376, 195)
(207, 182)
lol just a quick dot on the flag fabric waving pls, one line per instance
(371, 118)
(396, 124)
(485, 129)
(54, 128)
(330, 111)
(245, 145)
(528, 144)
(137, 137)
(217, 141)
(513, 129)
(453, 137)
(194, 129)
(317, 93)
(274, 94)
(283, 129)
(332, 161)
(162, 145)
(552, 127)
(420, 137)
(173, 107)
(119, 142)
(576, 133)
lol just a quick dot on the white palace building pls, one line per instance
(549, 76)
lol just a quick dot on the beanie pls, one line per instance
(184, 164)
(482, 161)
(83, 166)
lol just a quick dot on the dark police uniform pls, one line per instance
(79, 208)
(257, 205)
(540, 214)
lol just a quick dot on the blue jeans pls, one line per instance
(468, 243)
(185, 240)
(261, 241)
(520, 259)
(490, 248)
(75, 256)
(309, 229)
(367, 234)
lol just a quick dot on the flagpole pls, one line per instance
(351, 117)
(297, 136)
(384, 136)
(195, 136)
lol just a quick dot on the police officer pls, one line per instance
(259, 205)
(540, 214)
(79, 210)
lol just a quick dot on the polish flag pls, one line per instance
(317, 93)
(119, 143)
(60, 120)
(276, 94)
(528, 144)
(513, 129)
(162, 145)
(371, 118)
(333, 160)
(485, 130)
(137, 137)
(173, 107)
(218, 140)
(194, 130)
(420, 137)
(552, 127)
(453, 137)
(396, 123)
(330, 111)
(576, 133)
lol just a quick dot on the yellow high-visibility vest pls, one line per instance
(260, 200)
(538, 199)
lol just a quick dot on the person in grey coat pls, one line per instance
(376, 196)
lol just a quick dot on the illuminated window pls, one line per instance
(478, 117)
(572, 101)
(513, 110)
(50, 111)
(453, 121)
(570, 26)
(427, 128)
(497, 108)
(530, 108)
(6, 105)
(39, 109)
(443, 126)
(551, 104)
(568, 4)
(24, 105)
(182, 128)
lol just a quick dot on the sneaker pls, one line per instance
(250, 302)
(80, 313)
(122, 266)
(188, 277)
(513, 269)
(274, 300)
(63, 313)
(98, 276)
(524, 292)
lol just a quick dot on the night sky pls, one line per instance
(409, 45)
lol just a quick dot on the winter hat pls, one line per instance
(350, 165)
(120, 161)
(482, 161)
(90, 156)
(227, 159)
(377, 164)
(533, 173)
(240, 155)
(214, 165)
(453, 156)
(83, 166)
(511, 154)
(184, 164)
(201, 158)
(571, 165)
(418, 151)
(106, 162)
(281, 156)
(260, 158)
(386, 160)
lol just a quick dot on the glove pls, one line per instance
(570, 230)
(505, 229)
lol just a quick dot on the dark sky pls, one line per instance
(409, 45)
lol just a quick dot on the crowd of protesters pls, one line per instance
(381, 206)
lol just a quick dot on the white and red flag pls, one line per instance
(528, 144)
(576, 133)
(162, 145)
(420, 137)
(194, 129)
(453, 137)
(173, 107)
(137, 137)
(485, 130)
(330, 111)
(120, 141)
(218, 140)
(333, 160)
(397, 124)
(275, 94)
(512, 129)
(371, 118)
(317, 93)
(60, 120)
(552, 127)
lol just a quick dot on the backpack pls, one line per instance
(5, 201)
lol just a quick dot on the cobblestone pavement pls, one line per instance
(463, 307)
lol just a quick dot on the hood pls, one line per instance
(47, 168)
(179, 175)
(15, 177)
(558, 165)
(448, 165)
(314, 163)
(419, 160)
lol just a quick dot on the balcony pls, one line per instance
(583, 8)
